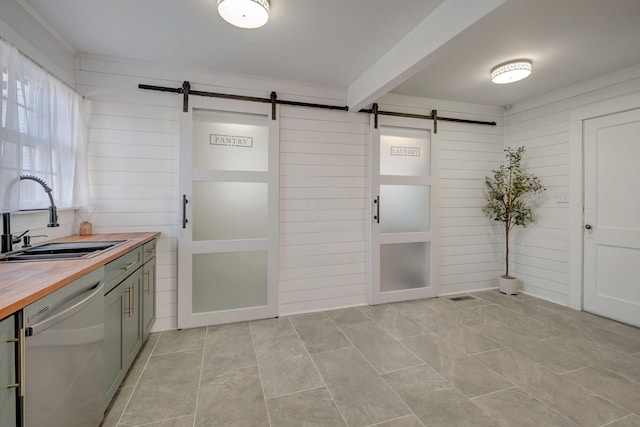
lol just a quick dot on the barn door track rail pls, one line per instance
(185, 90)
(433, 116)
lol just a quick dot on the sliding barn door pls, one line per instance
(404, 191)
(229, 188)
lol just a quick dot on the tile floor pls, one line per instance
(493, 360)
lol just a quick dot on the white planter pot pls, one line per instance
(508, 286)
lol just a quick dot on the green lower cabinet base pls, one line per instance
(148, 297)
(8, 377)
(122, 331)
(130, 312)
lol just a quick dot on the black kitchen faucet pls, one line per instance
(7, 240)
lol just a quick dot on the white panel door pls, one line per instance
(612, 216)
(229, 186)
(403, 245)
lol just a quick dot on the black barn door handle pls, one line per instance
(377, 215)
(184, 211)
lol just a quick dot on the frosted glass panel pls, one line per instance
(405, 152)
(229, 210)
(404, 266)
(230, 141)
(404, 208)
(225, 281)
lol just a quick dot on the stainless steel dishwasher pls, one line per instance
(63, 357)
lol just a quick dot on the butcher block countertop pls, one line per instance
(24, 282)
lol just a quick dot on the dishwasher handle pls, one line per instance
(74, 306)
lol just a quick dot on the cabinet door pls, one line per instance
(7, 372)
(148, 296)
(132, 320)
(116, 304)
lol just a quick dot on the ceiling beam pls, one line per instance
(415, 51)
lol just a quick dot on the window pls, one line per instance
(41, 134)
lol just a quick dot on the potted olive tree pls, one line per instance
(506, 191)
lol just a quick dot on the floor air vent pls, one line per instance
(462, 298)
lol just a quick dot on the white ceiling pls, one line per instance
(339, 42)
(569, 41)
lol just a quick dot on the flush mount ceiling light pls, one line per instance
(511, 71)
(244, 13)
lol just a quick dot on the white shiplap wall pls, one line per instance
(324, 164)
(323, 209)
(133, 168)
(471, 246)
(133, 163)
(541, 252)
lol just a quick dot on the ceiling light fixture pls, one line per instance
(244, 13)
(511, 71)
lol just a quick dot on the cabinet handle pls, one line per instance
(128, 303)
(13, 340)
(20, 342)
(21, 362)
(147, 282)
(133, 298)
(128, 292)
(128, 266)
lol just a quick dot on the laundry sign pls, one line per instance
(231, 140)
(405, 151)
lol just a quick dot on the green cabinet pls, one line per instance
(123, 322)
(130, 312)
(132, 327)
(148, 288)
(8, 372)
(115, 305)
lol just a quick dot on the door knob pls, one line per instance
(588, 226)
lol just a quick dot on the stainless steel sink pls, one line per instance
(61, 251)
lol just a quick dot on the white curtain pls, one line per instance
(41, 134)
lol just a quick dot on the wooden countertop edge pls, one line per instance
(22, 283)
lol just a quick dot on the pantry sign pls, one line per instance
(231, 140)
